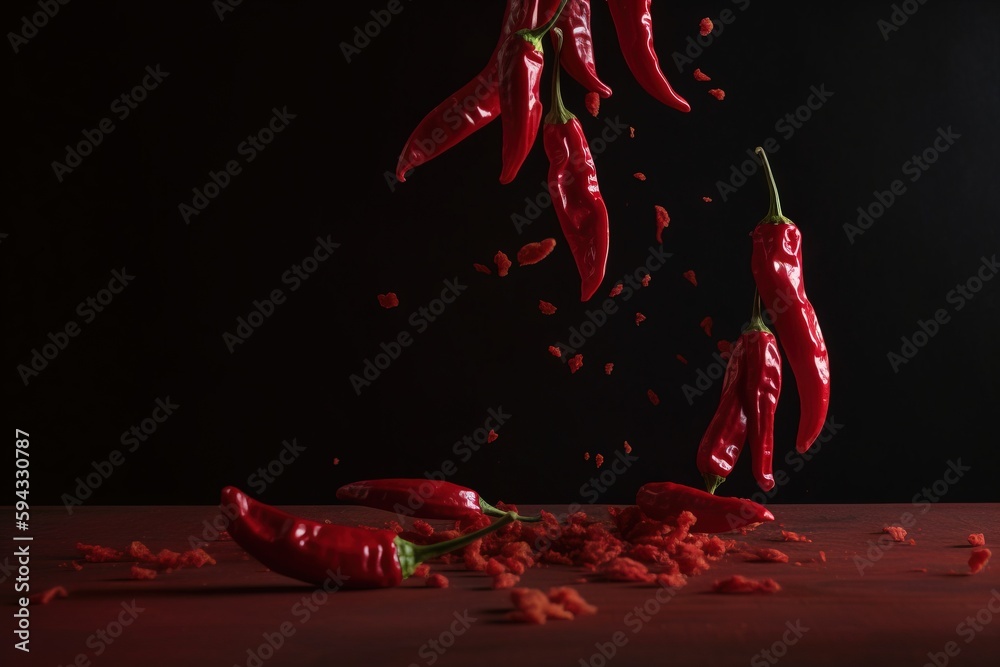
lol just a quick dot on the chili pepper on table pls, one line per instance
(575, 194)
(664, 501)
(313, 551)
(777, 269)
(762, 389)
(634, 25)
(578, 58)
(424, 498)
(726, 434)
(520, 62)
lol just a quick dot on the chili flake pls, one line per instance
(575, 363)
(682, 359)
(705, 26)
(437, 581)
(586, 456)
(628, 447)
(532, 253)
(898, 533)
(646, 278)
(662, 222)
(639, 319)
(616, 290)
(717, 93)
(389, 300)
(608, 367)
(555, 351)
(706, 324)
(502, 262)
(789, 536)
(593, 103)
(653, 398)
(599, 460)
(631, 132)
(707, 200)
(491, 436)
(977, 539)
(639, 176)
(336, 461)
(740, 584)
(142, 573)
(691, 277)
(725, 348)
(482, 268)
(978, 560)
(546, 308)
(48, 595)
(701, 76)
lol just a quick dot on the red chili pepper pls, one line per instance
(520, 61)
(726, 434)
(314, 552)
(664, 501)
(777, 269)
(761, 392)
(634, 25)
(424, 498)
(578, 59)
(575, 193)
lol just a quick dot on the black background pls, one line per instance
(325, 175)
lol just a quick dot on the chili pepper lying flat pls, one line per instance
(634, 25)
(313, 551)
(423, 498)
(777, 269)
(519, 62)
(578, 54)
(761, 392)
(664, 501)
(575, 193)
(723, 440)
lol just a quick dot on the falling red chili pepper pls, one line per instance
(726, 434)
(578, 57)
(424, 498)
(664, 501)
(761, 392)
(520, 61)
(777, 269)
(576, 195)
(634, 25)
(314, 551)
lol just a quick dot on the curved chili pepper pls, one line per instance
(424, 498)
(313, 551)
(579, 58)
(664, 501)
(520, 62)
(634, 25)
(777, 269)
(727, 432)
(762, 389)
(576, 196)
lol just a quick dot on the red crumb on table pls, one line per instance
(593, 103)
(482, 268)
(502, 262)
(421, 527)
(653, 398)
(389, 300)
(691, 277)
(616, 290)
(505, 580)
(639, 176)
(422, 570)
(48, 595)
(141, 573)
(822, 556)
(769, 556)
(706, 324)
(979, 558)
(717, 93)
(645, 279)
(682, 359)
(626, 569)
(555, 351)
(491, 436)
(140, 552)
(546, 308)
(575, 363)
(533, 606)
(977, 539)
(898, 533)
(701, 76)
(586, 456)
(662, 221)
(599, 460)
(627, 447)
(93, 553)
(705, 26)
(571, 600)
(740, 584)
(639, 318)
(532, 253)
(608, 367)
(195, 558)
(707, 200)
(437, 581)
(789, 536)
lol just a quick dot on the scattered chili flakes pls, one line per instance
(681, 359)
(769, 556)
(707, 200)
(653, 398)
(533, 606)
(502, 262)
(593, 103)
(717, 93)
(505, 580)
(575, 363)
(822, 556)
(662, 222)
(532, 253)
(616, 290)
(978, 560)
(586, 456)
(599, 460)
(142, 573)
(705, 26)
(491, 436)
(423, 528)
(898, 533)
(437, 581)
(977, 539)
(482, 268)
(789, 536)
(608, 367)
(93, 553)
(389, 300)
(701, 76)
(628, 447)
(639, 176)
(48, 595)
(646, 278)
(571, 599)
(546, 308)
(639, 319)
(626, 569)
(706, 324)
(555, 351)
(740, 584)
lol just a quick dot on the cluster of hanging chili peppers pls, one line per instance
(752, 381)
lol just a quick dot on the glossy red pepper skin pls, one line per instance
(761, 392)
(577, 55)
(777, 270)
(726, 434)
(634, 25)
(664, 501)
(424, 498)
(520, 62)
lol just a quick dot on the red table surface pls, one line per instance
(895, 613)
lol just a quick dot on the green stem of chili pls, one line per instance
(489, 510)
(774, 215)
(410, 555)
(535, 35)
(712, 482)
(756, 319)
(559, 114)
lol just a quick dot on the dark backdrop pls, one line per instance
(890, 91)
